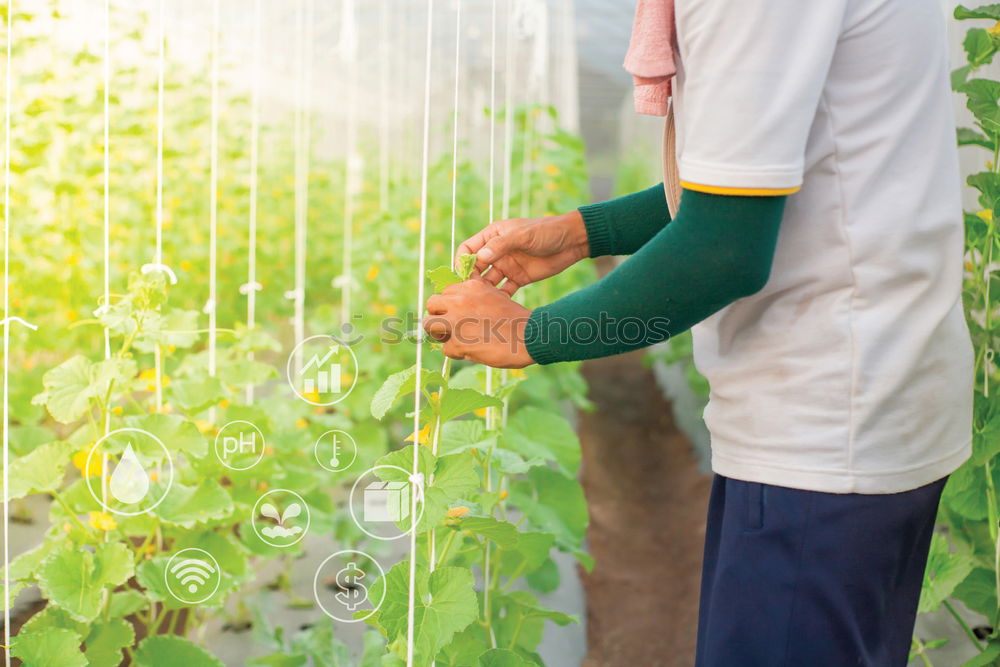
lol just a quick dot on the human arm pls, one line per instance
(717, 250)
(526, 250)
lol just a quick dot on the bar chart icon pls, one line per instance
(322, 370)
(322, 376)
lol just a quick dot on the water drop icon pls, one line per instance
(129, 482)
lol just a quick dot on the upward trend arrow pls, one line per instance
(317, 362)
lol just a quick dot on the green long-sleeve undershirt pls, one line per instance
(717, 250)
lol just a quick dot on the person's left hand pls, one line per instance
(478, 322)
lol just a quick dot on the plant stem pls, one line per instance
(69, 510)
(965, 626)
(516, 633)
(447, 547)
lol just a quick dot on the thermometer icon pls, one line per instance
(335, 450)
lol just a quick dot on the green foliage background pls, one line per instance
(102, 575)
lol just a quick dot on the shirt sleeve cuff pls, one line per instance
(595, 219)
(540, 350)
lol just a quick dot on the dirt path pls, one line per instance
(647, 504)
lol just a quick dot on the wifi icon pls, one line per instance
(192, 575)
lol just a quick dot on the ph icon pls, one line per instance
(239, 445)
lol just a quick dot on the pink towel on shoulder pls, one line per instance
(650, 57)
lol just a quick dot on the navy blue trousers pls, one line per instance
(797, 578)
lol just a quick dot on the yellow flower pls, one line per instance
(301, 423)
(551, 170)
(503, 494)
(102, 521)
(312, 396)
(995, 30)
(481, 412)
(203, 426)
(224, 403)
(346, 379)
(413, 224)
(390, 309)
(72, 315)
(154, 476)
(372, 273)
(80, 461)
(456, 512)
(423, 435)
(518, 373)
(551, 186)
(185, 265)
(117, 410)
(985, 215)
(149, 377)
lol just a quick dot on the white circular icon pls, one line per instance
(349, 584)
(288, 514)
(387, 504)
(192, 575)
(238, 443)
(130, 481)
(335, 450)
(327, 366)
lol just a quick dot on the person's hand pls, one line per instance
(525, 250)
(478, 322)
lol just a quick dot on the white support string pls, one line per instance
(158, 256)
(213, 200)
(383, 107)
(352, 162)
(490, 414)
(8, 84)
(421, 270)
(446, 366)
(107, 220)
(304, 26)
(454, 131)
(252, 285)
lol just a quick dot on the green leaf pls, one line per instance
(457, 402)
(67, 390)
(52, 647)
(944, 572)
(466, 263)
(979, 47)
(959, 76)
(197, 394)
(40, 471)
(106, 641)
(554, 502)
(502, 657)
(988, 658)
(187, 506)
(446, 603)
(529, 552)
(126, 603)
(503, 533)
(978, 592)
(74, 579)
(178, 434)
(173, 651)
(981, 12)
(279, 660)
(398, 385)
(442, 276)
(982, 97)
(969, 137)
(536, 433)
(527, 605)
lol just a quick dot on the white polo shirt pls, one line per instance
(851, 371)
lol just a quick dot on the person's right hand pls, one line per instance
(526, 250)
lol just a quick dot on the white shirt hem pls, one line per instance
(842, 481)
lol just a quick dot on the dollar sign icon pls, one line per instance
(353, 593)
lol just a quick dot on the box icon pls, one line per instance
(387, 501)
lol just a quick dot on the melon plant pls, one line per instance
(100, 575)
